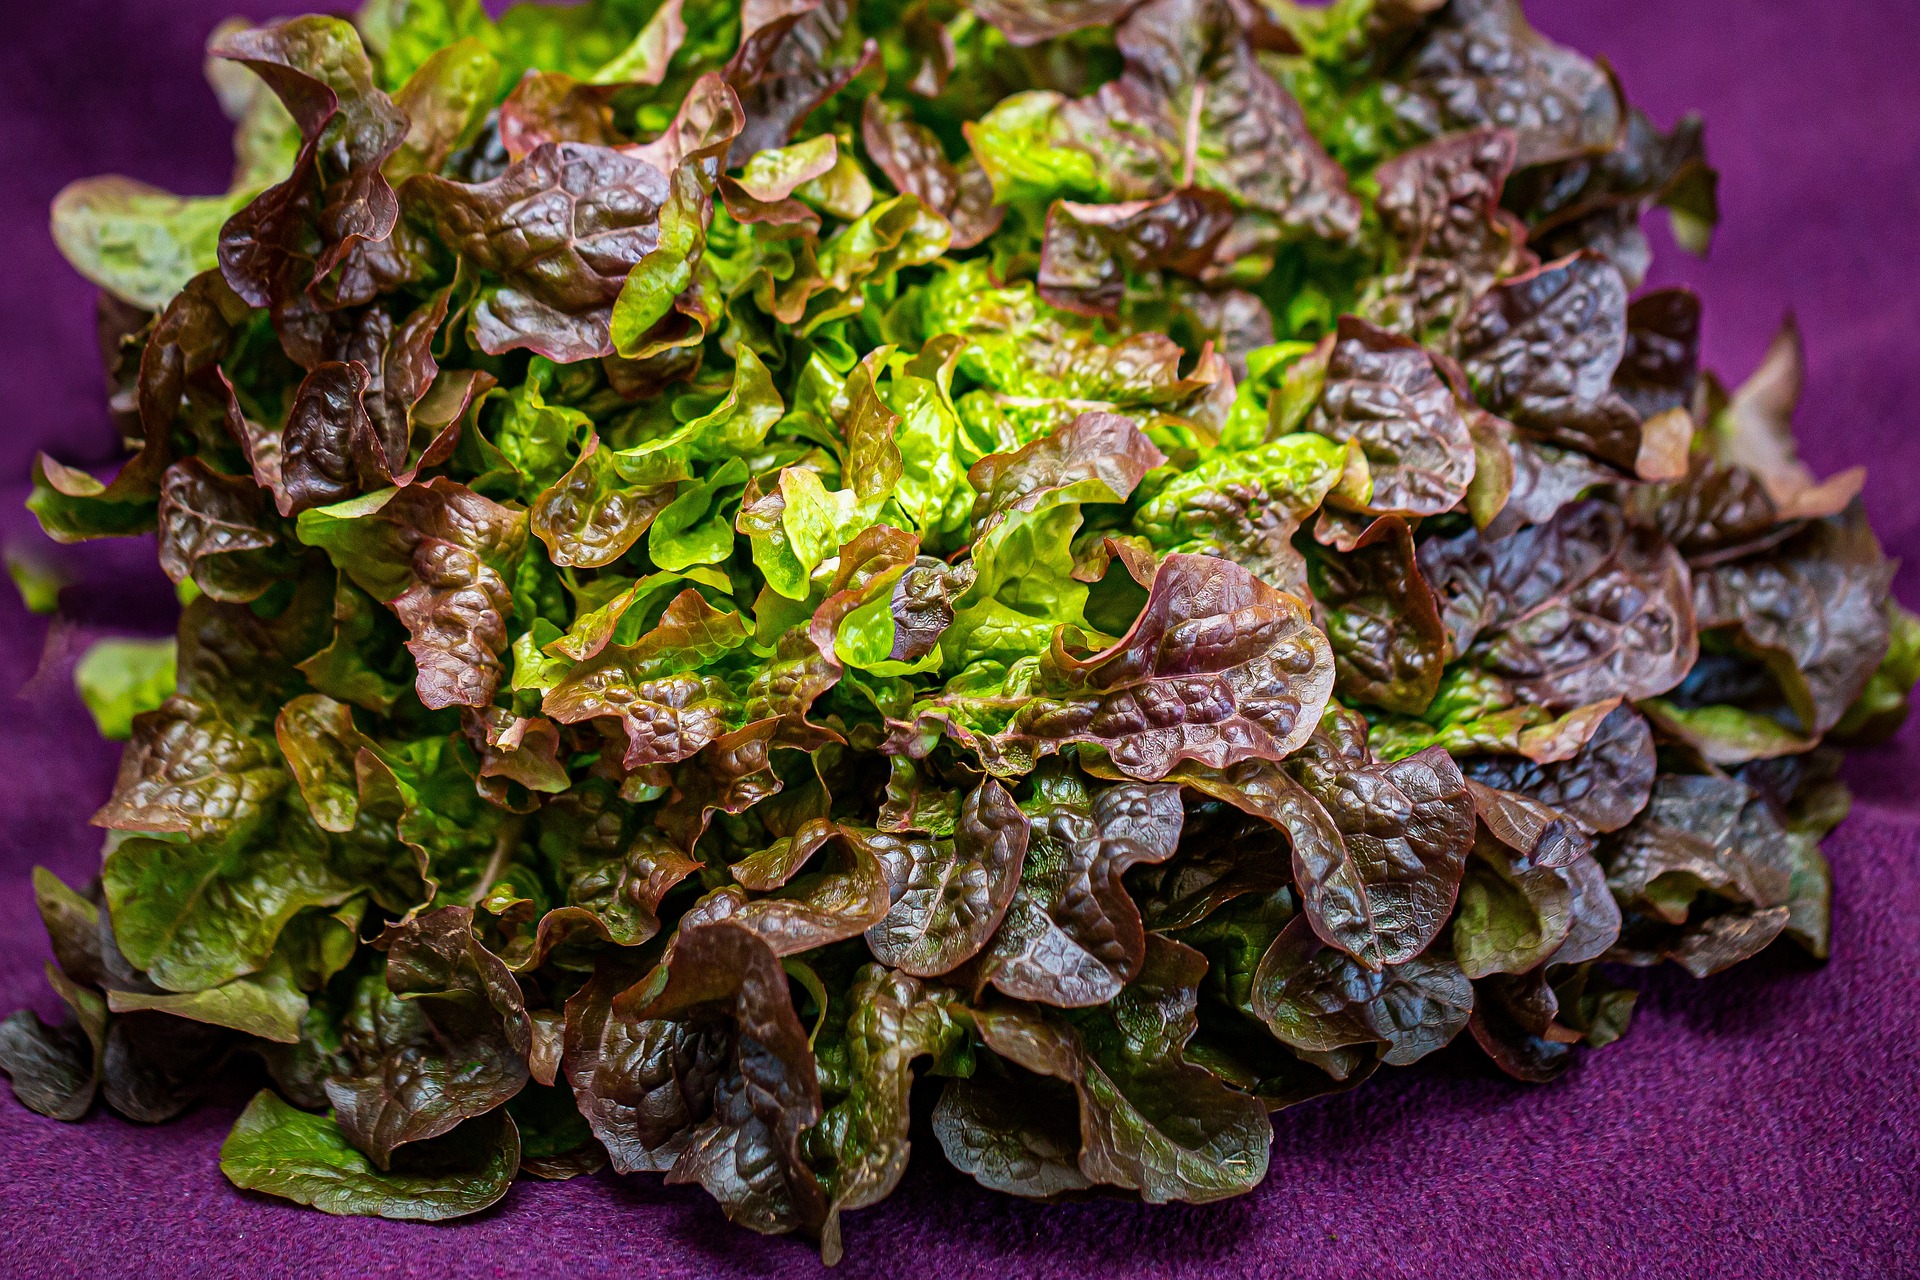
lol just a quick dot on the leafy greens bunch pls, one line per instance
(1138, 556)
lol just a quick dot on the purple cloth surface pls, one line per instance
(1759, 1124)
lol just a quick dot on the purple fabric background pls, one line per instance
(1760, 1124)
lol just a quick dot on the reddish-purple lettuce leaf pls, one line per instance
(948, 895)
(1602, 786)
(1072, 936)
(1388, 641)
(1541, 350)
(746, 1152)
(1089, 250)
(443, 1038)
(654, 687)
(293, 236)
(642, 1084)
(1441, 204)
(1026, 22)
(915, 162)
(1705, 875)
(1581, 609)
(1813, 610)
(1218, 668)
(1317, 999)
(553, 238)
(1386, 394)
(1150, 1121)
(434, 553)
(1478, 63)
(792, 57)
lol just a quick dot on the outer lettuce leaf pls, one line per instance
(555, 278)
(136, 241)
(1072, 936)
(307, 1159)
(1543, 608)
(1479, 63)
(434, 553)
(337, 204)
(1149, 1120)
(442, 1039)
(1193, 106)
(746, 1152)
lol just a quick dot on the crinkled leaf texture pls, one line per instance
(1218, 668)
(1150, 1121)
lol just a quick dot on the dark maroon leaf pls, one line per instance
(1532, 833)
(1098, 457)
(922, 605)
(612, 872)
(1026, 22)
(443, 1038)
(746, 1153)
(1478, 63)
(1223, 857)
(791, 59)
(329, 449)
(295, 234)
(1384, 393)
(1545, 479)
(1089, 250)
(1236, 322)
(1541, 349)
(1388, 641)
(435, 553)
(1150, 1121)
(154, 1066)
(179, 383)
(1705, 875)
(1813, 610)
(1441, 204)
(948, 895)
(1316, 999)
(1661, 363)
(642, 1084)
(549, 106)
(1072, 936)
(1513, 1021)
(219, 531)
(1377, 877)
(1377, 848)
(1220, 120)
(1596, 202)
(1581, 609)
(554, 238)
(916, 164)
(843, 897)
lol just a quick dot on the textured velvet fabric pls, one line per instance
(1759, 1124)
